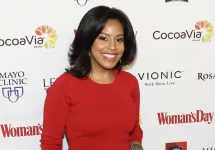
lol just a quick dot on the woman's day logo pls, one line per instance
(52, 36)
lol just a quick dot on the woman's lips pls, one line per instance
(110, 57)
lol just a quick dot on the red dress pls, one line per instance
(93, 116)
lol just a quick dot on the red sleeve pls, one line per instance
(56, 110)
(137, 134)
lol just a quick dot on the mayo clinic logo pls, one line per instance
(8, 93)
(12, 85)
(176, 0)
(176, 146)
(81, 2)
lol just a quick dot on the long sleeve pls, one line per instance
(137, 133)
(56, 110)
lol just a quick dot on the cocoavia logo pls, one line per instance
(45, 37)
(207, 28)
(52, 36)
(203, 32)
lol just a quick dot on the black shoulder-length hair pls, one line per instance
(89, 28)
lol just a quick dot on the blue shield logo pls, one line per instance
(13, 94)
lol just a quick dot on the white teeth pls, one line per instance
(109, 55)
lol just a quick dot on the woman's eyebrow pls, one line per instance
(121, 34)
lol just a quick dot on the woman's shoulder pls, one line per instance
(63, 80)
(127, 74)
(129, 77)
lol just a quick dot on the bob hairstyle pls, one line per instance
(91, 25)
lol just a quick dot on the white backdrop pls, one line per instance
(175, 67)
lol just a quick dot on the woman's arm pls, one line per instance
(137, 134)
(56, 111)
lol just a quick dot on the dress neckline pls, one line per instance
(115, 72)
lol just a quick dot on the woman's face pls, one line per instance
(108, 47)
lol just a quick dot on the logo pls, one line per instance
(50, 32)
(9, 131)
(17, 91)
(48, 82)
(175, 0)
(45, 37)
(206, 76)
(194, 117)
(203, 32)
(160, 78)
(209, 148)
(81, 2)
(176, 146)
(12, 84)
(206, 27)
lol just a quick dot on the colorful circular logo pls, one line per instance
(52, 36)
(205, 25)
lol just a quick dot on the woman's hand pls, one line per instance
(136, 146)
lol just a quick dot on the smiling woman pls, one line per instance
(95, 103)
(92, 28)
(108, 47)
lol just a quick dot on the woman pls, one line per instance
(95, 104)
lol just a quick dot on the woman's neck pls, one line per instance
(103, 76)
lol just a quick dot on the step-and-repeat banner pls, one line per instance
(175, 67)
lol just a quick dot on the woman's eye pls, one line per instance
(103, 38)
(120, 40)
